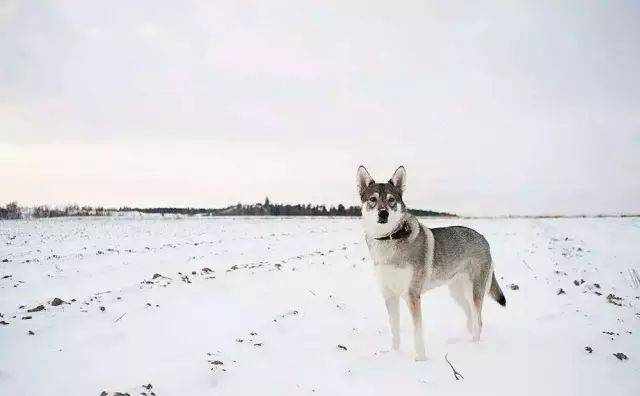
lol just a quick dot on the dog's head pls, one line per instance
(382, 207)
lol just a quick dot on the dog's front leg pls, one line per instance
(392, 302)
(413, 301)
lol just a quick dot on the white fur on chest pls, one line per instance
(393, 279)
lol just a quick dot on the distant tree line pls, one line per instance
(430, 213)
(13, 211)
(69, 210)
(271, 209)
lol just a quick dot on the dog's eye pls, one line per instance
(373, 199)
(391, 200)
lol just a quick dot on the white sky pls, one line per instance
(513, 107)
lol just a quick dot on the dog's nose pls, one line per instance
(383, 216)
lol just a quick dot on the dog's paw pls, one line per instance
(421, 357)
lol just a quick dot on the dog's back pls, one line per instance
(458, 249)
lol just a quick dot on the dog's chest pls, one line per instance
(396, 280)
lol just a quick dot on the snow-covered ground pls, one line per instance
(245, 306)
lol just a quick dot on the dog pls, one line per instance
(410, 258)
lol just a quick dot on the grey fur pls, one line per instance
(457, 256)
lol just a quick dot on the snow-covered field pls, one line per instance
(278, 306)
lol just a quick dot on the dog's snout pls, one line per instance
(383, 216)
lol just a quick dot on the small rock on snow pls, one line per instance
(613, 299)
(620, 356)
(57, 301)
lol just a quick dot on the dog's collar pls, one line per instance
(401, 233)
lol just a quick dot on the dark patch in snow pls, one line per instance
(57, 301)
(613, 299)
(36, 309)
(621, 356)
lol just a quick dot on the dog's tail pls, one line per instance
(496, 292)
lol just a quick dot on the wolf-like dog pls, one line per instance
(410, 258)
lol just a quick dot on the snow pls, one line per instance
(283, 293)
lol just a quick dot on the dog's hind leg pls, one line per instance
(480, 283)
(415, 307)
(460, 290)
(392, 302)
(477, 311)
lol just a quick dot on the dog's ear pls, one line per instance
(399, 178)
(364, 179)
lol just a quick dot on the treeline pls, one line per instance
(13, 211)
(271, 209)
(430, 213)
(69, 210)
(255, 210)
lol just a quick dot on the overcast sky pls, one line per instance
(513, 107)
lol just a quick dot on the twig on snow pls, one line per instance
(119, 317)
(456, 373)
